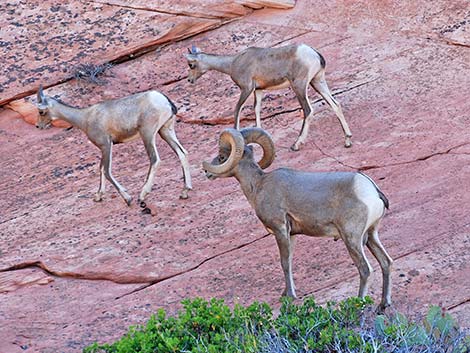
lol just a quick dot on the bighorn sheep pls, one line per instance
(117, 121)
(343, 205)
(256, 69)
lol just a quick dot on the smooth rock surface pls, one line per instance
(403, 83)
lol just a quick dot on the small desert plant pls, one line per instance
(439, 333)
(345, 327)
(91, 73)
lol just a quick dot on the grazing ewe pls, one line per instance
(117, 121)
(256, 69)
(342, 205)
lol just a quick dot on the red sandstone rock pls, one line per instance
(44, 42)
(205, 9)
(11, 281)
(406, 100)
(275, 4)
(7, 115)
(29, 112)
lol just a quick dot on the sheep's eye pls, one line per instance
(192, 66)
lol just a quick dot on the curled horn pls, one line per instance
(230, 139)
(41, 97)
(262, 138)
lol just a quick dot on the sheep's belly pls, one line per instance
(266, 84)
(125, 138)
(282, 85)
(313, 228)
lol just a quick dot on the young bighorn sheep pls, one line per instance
(342, 205)
(117, 121)
(256, 69)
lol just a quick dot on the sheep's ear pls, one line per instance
(195, 50)
(41, 97)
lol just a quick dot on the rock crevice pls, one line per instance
(113, 277)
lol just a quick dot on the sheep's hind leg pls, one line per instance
(353, 238)
(385, 261)
(300, 89)
(167, 132)
(320, 85)
(258, 97)
(149, 143)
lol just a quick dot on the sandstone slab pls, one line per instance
(44, 42)
(404, 90)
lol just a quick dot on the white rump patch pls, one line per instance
(160, 102)
(308, 57)
(366, 191)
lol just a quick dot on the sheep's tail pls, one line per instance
(322, 59)
(173, 106)
(383, 198)
(381, 194)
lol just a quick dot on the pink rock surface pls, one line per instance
(404, 89)
(11, 281)
(44, 42)
(203, 9)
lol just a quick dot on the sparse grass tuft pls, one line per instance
(91, 73)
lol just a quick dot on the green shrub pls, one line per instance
(212, 327)
(438, 333)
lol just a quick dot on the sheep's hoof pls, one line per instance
(287, 294)
(184, 194)
(147, 210)
(98, 198)
(294, 147)
(128, 200)
(347, 142)
(381, 308)
(143, 204)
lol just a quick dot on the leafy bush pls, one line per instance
(349, 326)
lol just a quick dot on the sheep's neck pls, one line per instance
(74, 116)
(249, 176)
(221, 63)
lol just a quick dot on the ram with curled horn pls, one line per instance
(342, 205)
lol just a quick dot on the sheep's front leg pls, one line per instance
(102, 188)
(285, 243)
(245, 93)
(106, 161)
